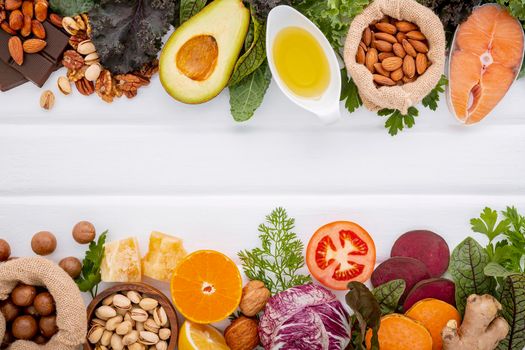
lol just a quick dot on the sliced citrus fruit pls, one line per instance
(194, 336)
(206, 286)
(341, 252)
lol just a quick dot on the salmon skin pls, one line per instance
(485, 59)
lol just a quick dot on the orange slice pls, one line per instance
(206, 286)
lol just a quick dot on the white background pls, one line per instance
(154, 164)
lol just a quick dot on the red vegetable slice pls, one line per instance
(341, 252)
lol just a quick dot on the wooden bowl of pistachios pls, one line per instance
(131, 316)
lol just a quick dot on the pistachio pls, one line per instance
(113, 323)
(162, 345)
(160, 317)
(124, 328)
(95, 334)
(151, 325)
(97, 321)
(130, 338)
(108, 300)
(148, 338)
(92, 74)
(70, 25)
(116, 342)
(105, 312)
(132, 295)
(47, 100)
(106, 338)
(64, 85)
(86, 47)
(90, 59)
(101, 347)
(139, 315)
(136, 346)
(164, 333)
(148, 304)
(139, 326)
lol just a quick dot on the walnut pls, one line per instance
(149, 70)
(72, 60)
(104, 86)
(130, 83)
(242, 334)
(75, 75)
(254, 298)
(85, 87)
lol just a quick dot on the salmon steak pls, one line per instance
(485, 59)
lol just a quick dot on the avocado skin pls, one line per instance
(228, 22)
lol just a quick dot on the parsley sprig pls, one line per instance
(431, 100)
(349, 92)
(277, 261)
(90, 276)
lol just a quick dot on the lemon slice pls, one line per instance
(195, 336)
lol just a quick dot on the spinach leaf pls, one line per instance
(513, 301)
(388, 295)
(467, 264)
(247, 95)
(189, 8)
(367, 312)
(71, 7)
(254, 55)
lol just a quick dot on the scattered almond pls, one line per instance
(416, 35)
(41, 11)
(384, 55)
(47, 100)
(382, 80)
(34, 45)
(11, 5)
(419, 46)
(5, 26)
(421, 63)
(405, 26)
(16, 20)
(386, 37)
(409, 66)
(392, 63)
(386, 27)
(26, 29)
(16, 50)
(400, 37)
(56, 20)
(27, 8)
(398, 50)
(409, 49)
(383, 46)
(38, 29)
(367, 36)
(397, 74)
(371, 59)
(361, 55)
(378, 67)
(64, 85)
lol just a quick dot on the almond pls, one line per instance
(384, 55)
(409, 67)
(392, 63)
(363, 46)
(407, 80)
(386, 27)
(397, 74)
(382, 80)
(419, 46)
(379, 69)
(409, 49)
(16, 20)
(416, 35)
(16, 50)
(383, 46)
(56, 20)
(367, 36)
(398, 50)
(38, 29)
(41, 11)
(26, 29)
(34, 45)
(421, 63)
(11, 5)
(27, 8)
(371, 59)
(400, 37)
(405, 26)
(361, 55)
(386, 37)
(5, 26)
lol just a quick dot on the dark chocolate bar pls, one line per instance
(10, 78)
(37, 67)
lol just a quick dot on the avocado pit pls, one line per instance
(197, 58)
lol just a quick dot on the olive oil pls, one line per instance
(301, 62)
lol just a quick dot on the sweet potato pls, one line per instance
(408, 269)
(426, 246)
(398, 332)
(437, 288)
(434, 315)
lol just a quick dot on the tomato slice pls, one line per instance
(341, 252)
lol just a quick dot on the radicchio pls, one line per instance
(306, 317)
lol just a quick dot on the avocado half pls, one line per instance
(197, 61)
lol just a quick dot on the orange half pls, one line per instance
(206, 287)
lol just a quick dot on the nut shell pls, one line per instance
(5, 250)
(242, 334)
(254, 298)
(24, 327)
(84, 232)
(23, 295)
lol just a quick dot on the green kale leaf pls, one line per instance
(248, 94)
(367, 314)
(388, 295)
(467, 264)
(512, 299)
(71, 7)
(349, 92)
(189, 8)
(128, 33)
(396, 121)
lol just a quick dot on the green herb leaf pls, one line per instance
(431, 100)
(396, 121)
(247, 95)
(367, 312)
(349, 92)
(90, 275)
(513, 301)
(71, 7)
(388, 295)
(189, 8)
(254, 55)
(280, 257)
(486, 224)
(467, 264)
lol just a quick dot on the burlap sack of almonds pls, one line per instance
(402, 96)
(71, 312)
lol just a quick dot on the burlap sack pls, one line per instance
(71, 312)
(404, 96)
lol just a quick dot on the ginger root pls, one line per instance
(481, 328)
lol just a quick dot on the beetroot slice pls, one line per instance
(408, 269)
(425, 246)
(437, 288)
